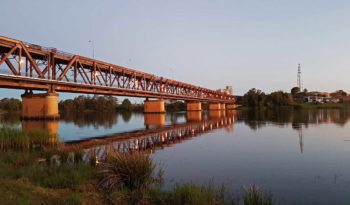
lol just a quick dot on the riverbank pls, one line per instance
(34, 169)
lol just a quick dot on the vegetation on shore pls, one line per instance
(10, 105)
(33, 171)
(257, 99)
(109, 103)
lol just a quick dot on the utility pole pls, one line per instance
(299, 77)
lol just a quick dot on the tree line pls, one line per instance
(257, 98)
(86, 103)
(109, 103)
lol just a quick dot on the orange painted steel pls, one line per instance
(29, 66)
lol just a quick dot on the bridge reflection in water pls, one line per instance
(49, 126)
(151, 139)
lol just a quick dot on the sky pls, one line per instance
(245, 44)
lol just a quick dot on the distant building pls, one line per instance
(319, 97)
(346, 99)
(227, 90)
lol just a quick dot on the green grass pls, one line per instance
(26, 180)
(191, 194)
(253, 195)
(31, 176)
(14, 138)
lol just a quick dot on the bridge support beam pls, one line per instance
(194, 106)
(154, 106)
(40, 106)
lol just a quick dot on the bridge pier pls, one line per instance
(194, 106)
(231, 106)
(216, 106)
(154, 106)
(223, 106)
(40, 106)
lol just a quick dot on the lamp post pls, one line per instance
(93, 48)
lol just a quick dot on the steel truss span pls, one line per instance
(28, 66)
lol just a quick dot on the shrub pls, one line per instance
(133, 171)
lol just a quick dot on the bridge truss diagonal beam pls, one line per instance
(31, 66)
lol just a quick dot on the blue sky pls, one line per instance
(244, 44)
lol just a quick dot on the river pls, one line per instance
(300, 156)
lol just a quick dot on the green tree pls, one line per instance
(126, 105)
(10, 104)
(254, 98)
(279, 98)
(295, 90)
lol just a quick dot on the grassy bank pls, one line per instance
(33, 171)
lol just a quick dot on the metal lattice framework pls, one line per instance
(28, 66)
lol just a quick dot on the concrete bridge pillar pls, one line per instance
(40, 106)
(194, 106)
(231, 106)
(223, 106)
(214, 106)
(154, 106)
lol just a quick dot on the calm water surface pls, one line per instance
(302, 157)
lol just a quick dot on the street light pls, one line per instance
(93, 48)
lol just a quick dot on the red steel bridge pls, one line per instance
(33, 67)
